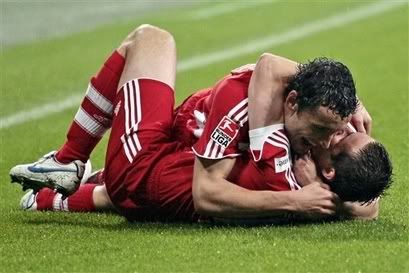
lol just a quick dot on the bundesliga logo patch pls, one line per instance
(225, 132)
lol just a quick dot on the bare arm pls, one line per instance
(214, 196)
(350, 210)
(266, 89)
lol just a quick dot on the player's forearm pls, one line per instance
(266, 90)
(224, 199)
(354, 210)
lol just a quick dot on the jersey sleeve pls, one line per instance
(273, 168)
(277, 163)
(259, 136)
(227, 115)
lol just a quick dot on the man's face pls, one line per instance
(312, 127)
(351, 144)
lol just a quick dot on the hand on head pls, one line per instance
(361, 120)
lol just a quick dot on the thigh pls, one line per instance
(143, 117)
(140, 133)
(150, 53)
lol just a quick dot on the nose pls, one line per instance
(326, 143)
(338, 137)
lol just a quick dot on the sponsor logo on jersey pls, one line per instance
(225, 132)
(282, 163)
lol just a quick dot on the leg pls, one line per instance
(88, 198)
(150, 53)
(140, 53)
(47, 199)
(94, 116)
(96, 112)
(141, 125)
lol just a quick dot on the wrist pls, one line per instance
(283, 201)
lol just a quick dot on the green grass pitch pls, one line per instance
(375, 49)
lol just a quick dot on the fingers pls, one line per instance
(359, 125)
(350, 129)
(305, 159)
(328, 207)
(330, 195)
(362, 120)
(330, 199)
(368, 126)
(324, 186)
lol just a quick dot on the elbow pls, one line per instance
(268, 57)
(267, 65)
(267, 61)
(200, 200)
(200, 208)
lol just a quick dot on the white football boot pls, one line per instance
(48, 172)
(29, 201)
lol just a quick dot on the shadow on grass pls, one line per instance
(331, 231)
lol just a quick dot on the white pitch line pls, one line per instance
(224, 8)
(291, 35)
(41, 111)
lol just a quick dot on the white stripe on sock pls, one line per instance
(89, 124)
(99, 100)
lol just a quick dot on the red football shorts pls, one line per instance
(170, 187)
(140, 137)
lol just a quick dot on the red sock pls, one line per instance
(94, 116)
(45, 199)
(80, 201)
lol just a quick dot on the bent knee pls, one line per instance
(148, 33)
(150, 30)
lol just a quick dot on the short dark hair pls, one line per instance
(362, 176)
(324, 82)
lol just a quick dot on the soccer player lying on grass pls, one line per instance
(141, 150)
(170, 191)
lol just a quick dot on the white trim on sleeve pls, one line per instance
(259, 136)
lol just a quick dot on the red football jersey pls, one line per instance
(214, 122)
(170, 185)
(271, 170)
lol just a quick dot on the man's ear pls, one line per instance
(291, 101)
(328, 173)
